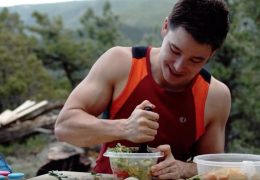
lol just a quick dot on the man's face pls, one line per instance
(181, 58)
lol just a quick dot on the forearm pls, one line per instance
(82, 129)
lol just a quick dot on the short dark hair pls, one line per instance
(206, 20)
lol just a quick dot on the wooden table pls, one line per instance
(76, 176)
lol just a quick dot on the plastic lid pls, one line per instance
(4, 173)
(15, 176)
(133, 155)
(227, 159)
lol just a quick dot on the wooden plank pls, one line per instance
(24, 112)
(9, 114)
(5, 115)
(24, 106)
(32, 108)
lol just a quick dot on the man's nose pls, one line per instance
(179, 65)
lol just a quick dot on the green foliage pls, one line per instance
(101, 32)
(138, 18)
(57, 49)
(71, 54)
(52, 60)
(22, 75)
(10, 22)
(237, 65)
(55, 59)
(32, 145)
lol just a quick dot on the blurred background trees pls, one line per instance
(47, 59)
(237, 64)
(22, 74)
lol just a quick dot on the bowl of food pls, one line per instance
(228, 166)
(128, 162)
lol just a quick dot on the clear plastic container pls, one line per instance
(231, 165)
(136, 165)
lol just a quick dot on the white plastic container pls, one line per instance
(136, 165)
(247, 165)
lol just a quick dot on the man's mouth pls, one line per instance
(173, 72)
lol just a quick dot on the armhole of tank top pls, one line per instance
(130, 84)
(200, 101)
(116, 104)
(148, 62)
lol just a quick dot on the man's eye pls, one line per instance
(196, 60)
(176, 52)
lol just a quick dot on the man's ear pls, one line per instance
(165, 27)
(213, 53)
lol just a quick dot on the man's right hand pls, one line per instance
(142, 125)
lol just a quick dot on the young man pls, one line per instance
(190, 107)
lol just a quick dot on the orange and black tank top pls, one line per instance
(181, 121)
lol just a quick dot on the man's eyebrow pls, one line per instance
(199, 58)
(174, 46)
(194, 57)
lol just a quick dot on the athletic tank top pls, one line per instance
(181, 121)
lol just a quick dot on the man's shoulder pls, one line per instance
(116, 63)
(219, 97)
(218, 102)
(120, 51)
(218, 88)
(116, 57)
(134, 51)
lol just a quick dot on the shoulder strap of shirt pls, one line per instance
(137, 73)
(206, 75)
(139, 52)
(200, 91)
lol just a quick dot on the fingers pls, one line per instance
(160, 167)
(167, 169)
(144, 104)
(149, 131)
(166, 149)
(142, 125)
(143, 115)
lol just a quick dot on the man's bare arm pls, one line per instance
(77, 122)
(216, 115)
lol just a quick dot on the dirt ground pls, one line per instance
(30, 162)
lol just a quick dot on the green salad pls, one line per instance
(130, 166)
(122, 149)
